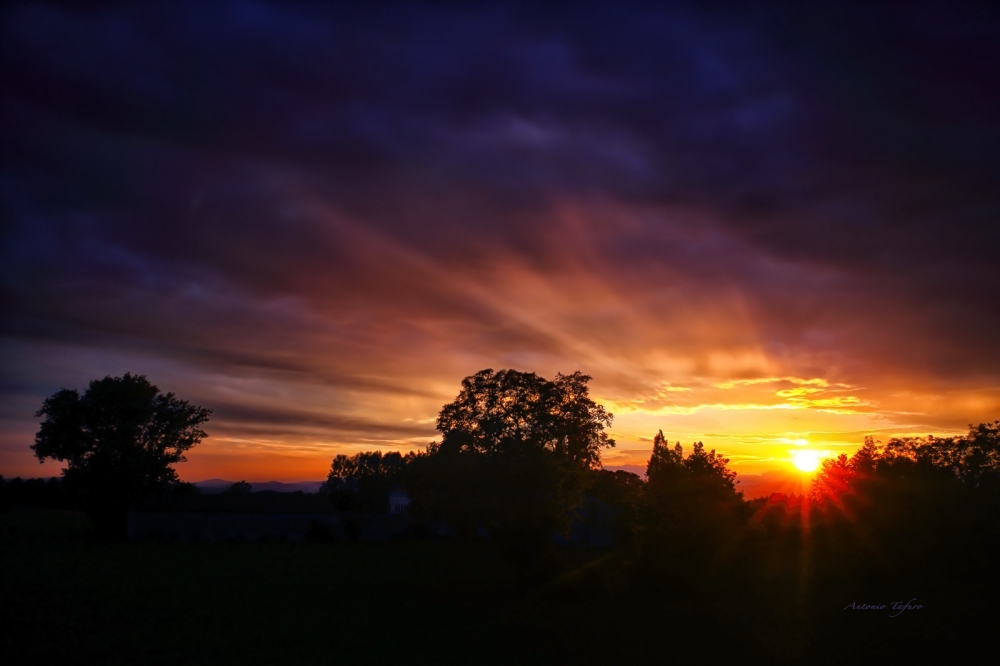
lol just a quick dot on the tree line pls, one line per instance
(914, 521)
(517, 456)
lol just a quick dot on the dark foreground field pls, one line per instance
(68, 598)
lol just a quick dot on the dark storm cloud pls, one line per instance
(363, 194)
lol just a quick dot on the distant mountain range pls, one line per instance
(219, 485)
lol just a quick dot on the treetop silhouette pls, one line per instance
(507, 412)
(120, 439)
(514, 458)
(972, 461)
(362, 481)
(707, 469)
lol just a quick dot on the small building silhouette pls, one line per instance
(399, 501)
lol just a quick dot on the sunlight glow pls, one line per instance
(807, 460)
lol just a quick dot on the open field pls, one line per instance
(72, 599)
(68, 598)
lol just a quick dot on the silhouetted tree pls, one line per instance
(507, 412)
(702, 472)
(362, 482)
(239, 489)
(513, 458)
(623, 491)
(691, 508)
(915, 508)
(46, 493)
(973, 461)
(119, 439)
(616, 487)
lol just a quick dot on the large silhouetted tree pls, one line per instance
(702, 473)
(514, 458)
(506, 413)
(119, 440)
(691, 507)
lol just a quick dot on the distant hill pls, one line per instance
(219, 485)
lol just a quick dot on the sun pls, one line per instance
(807, 460)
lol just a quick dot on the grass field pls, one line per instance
(71, 599)
(75, 599)
(68, 598)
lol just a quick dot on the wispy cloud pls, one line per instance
(319, 219)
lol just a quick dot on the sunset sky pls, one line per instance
(767, 228)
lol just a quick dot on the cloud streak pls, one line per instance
(320, 218)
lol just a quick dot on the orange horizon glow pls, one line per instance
(763, 425)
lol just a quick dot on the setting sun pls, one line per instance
(806, 460)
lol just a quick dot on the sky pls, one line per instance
(764, 226)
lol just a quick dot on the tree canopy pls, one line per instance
(362, 482)
(508, 412)
(239, 489)
(514, 457)
(668, 469)
(120, 438)
(972, 462)
(691, 505)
